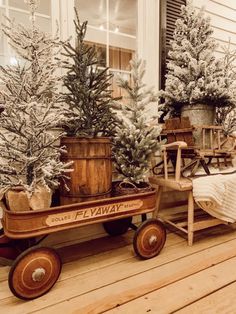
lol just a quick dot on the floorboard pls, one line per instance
(184, 292)
(104, 275)
(220, 302)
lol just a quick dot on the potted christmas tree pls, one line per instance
(135, 140)
(90, 121)
(30, 162)
(195, 81)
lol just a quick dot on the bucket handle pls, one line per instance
(132, 185)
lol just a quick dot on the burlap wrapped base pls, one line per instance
(18, 199)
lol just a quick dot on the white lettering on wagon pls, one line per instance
(92, 212)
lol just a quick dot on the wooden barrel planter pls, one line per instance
(92, 175)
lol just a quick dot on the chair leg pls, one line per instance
(158, 201)
(190, 217)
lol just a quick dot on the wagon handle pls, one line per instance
(128, 183)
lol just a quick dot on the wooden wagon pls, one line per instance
(37, 268)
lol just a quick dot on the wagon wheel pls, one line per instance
(117, 227)
(11, 248)
(24, 244)
(34, 272)
(19, 244)
(149, 238)
(8, 248)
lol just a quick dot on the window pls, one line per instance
(170, 12)
(112, 29)
(18, 10)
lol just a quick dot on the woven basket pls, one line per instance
(124, 188)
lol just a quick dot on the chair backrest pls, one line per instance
(214, 138)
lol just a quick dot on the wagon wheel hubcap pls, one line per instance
(34, 272)
(38, 274)
(152, 240)
(149, 239)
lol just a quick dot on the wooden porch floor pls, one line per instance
(104, 275)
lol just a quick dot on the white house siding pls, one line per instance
(223, 21)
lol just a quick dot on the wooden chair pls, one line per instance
(191, 218)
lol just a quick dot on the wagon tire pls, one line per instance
(117, 227)
(34, 272)
(149, 238)
(24, 244)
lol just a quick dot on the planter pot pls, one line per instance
(92, 175)
(124, 188)
(199, 114)
(17, 199)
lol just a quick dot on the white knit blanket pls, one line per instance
(216, 195)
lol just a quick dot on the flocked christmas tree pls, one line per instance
(194, 75)
(30, 99)
(88, 95)
(136, 140)
(226, 115)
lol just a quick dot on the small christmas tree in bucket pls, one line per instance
(90, 120)
(88, 95)
(195, 80)
(135, 140)
(30, 160)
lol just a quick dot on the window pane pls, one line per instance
(117, 91)
(20, 17)
(122, 36)
(4, 60)
(120, 58)
(43, 8)
(43, 23)
(101, 52)
(92, 11)
(18, 10)
(112, 31)
(123, 16)
(2, 36)
(95, 13)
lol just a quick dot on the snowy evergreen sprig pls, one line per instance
(88, 96)
(135, 140)
(30, 102)
(194, 75)
(226, 115)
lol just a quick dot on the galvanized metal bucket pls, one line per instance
(199, 115)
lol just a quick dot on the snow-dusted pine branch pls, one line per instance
(88, 95)
(30, 101)
(135, 140)
(194, 75)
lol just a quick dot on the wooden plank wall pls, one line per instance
(223, 21)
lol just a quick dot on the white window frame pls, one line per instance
(7, 51)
